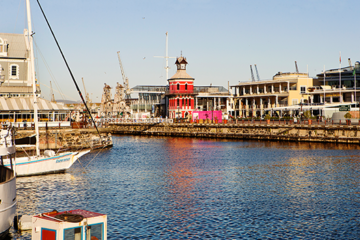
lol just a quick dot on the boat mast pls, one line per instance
(31, 65)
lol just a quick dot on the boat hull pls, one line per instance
(8, 205)
(30, 166)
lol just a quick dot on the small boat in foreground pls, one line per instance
(74, 224)
(7, 181)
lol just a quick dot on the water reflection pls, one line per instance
(177, 188)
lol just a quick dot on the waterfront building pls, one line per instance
(212, 98)
(335, 88)
(330, 91)
(181, 94)
(16, 88)
(15, 66)
(150, 99)
(284, 94)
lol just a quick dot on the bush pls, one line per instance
(347, 115)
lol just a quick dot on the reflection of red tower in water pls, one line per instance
(188, 181)
(181, 181)
(181, 91)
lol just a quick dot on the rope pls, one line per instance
(67, 65)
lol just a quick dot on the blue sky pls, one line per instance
(220, 39)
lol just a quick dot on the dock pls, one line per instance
(254, 131)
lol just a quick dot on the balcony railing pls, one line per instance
(169, 92)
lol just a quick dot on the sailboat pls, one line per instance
(49, 161)
(7, 181)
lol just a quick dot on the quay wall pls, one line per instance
(274, 132)
(66, 138)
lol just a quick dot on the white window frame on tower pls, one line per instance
(11, 76)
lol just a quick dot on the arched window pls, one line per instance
(178, 102)
(178, 86)
(185, 86)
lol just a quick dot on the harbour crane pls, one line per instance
(87, 98)
(296, 67)
(252, 74)
(257, 73)
(125, 79)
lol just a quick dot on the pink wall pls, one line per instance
(207, 115)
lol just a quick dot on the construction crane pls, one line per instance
(257, 73)
(296, 67)
(52, 93)
(87, 98)
(252, 74)
(125, 79)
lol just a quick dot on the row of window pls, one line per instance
(178, 86)
(276, 89)
(185, 102)
(15, 95)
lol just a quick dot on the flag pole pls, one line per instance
(340, 76)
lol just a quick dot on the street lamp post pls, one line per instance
(178, 112)
(212, 114)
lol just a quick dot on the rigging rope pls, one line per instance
(67, 65)
(50, 72)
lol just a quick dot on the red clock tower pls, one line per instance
(181, 92)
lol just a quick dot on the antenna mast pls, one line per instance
(166, 57)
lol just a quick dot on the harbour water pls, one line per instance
(185, 188)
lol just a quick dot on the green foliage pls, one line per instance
(267, 116)
(307, 114)
(347, 115)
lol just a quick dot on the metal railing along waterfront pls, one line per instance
(41, 124)
(181, 92)
(135, 120)
(298, 121)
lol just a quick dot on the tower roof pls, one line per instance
(181, 60)
(181, 74)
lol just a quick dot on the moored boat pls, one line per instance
(7, 181)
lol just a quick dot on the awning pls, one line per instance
(26, 104)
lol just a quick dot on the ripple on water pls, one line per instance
(181, 188)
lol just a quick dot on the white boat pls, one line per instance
(7, 181)
(49, 161)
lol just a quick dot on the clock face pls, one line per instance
(182, 66)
